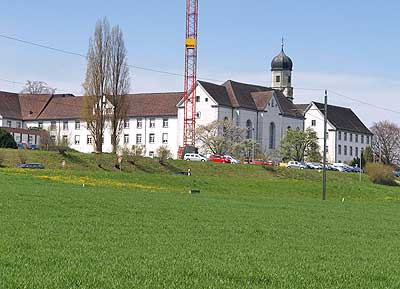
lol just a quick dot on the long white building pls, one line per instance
(156, 119)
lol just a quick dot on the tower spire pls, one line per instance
(282, 43)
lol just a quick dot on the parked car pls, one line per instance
(315, 166)
(397, 173)
(31, 166)
(296, 165)
(341, 167)
(26, 146)
(219, 159)
(195, 157)
(232, 159)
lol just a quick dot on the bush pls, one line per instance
(164, 154)
(380, 174)
(7, 140)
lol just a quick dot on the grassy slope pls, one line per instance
(248, 228)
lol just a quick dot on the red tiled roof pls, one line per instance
(153, 104)
(9, 105)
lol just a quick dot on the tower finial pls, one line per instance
(283, 43)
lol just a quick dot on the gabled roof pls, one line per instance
(153, 104)
(217, 92)
(9, 105)
(343, 118)
(302, 107)
(249, 96)
(32, 105)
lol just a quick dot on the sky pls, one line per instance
(349, 47)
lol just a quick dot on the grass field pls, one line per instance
(248, 228)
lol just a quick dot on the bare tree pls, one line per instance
(386, 142)
(119, 84)
(220, 137)
(97, 83)
(37, 87)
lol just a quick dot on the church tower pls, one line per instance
(281, 68)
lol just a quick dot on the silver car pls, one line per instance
(195, 157)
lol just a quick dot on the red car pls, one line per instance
(219, 159)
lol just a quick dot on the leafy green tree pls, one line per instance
(7, 140)
(298, 145)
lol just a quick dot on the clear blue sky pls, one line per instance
(348, 46)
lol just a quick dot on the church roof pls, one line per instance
(249, 96)
(281, 62)
(343, 118)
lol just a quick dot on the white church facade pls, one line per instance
(156, 119)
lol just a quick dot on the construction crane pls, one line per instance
(189, 125)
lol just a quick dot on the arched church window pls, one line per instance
(272, 132)
(249, 127)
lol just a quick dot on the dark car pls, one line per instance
(397, 173)
(31, 166)
(219, 159)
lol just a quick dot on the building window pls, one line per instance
(152, 138)
(345, 150)
(339, 149)
(151, 154)
(17, 138)
(30, 139)
(249, 128)
(19, 124)
(65, 139)
(9, 123)
(53, 139)
(65, 125)
(164, 138)
(77, 140)
(126, 138)
(289, 79)
(367, 139)
(206, 99)
(77, 124)
(272, 135)
(165, 123)
(345, 136)
(351, 151)
(356, 138)
(139, 138)
(362, 139)
(278, 78)
(313, 122)
(356, 151)
(152, 122)
(40, 125)
(197, 98)
(351, 137)
(198, 115)
(340, 135)
(139, 123)
(326, 149)
(89, 140)
(53, 125)
(126, 123)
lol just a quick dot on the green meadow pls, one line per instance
(85, 226)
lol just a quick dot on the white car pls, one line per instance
(315, 166)
(232, 159)
(195, 157)
(296, 165)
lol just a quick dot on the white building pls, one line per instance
(347, 135)
(156, 119)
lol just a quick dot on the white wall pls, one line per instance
(333, 142)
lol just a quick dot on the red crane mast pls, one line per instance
(189, 127)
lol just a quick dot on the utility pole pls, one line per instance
(361, 157)
(325, 134)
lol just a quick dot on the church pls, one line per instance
(156, 119)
